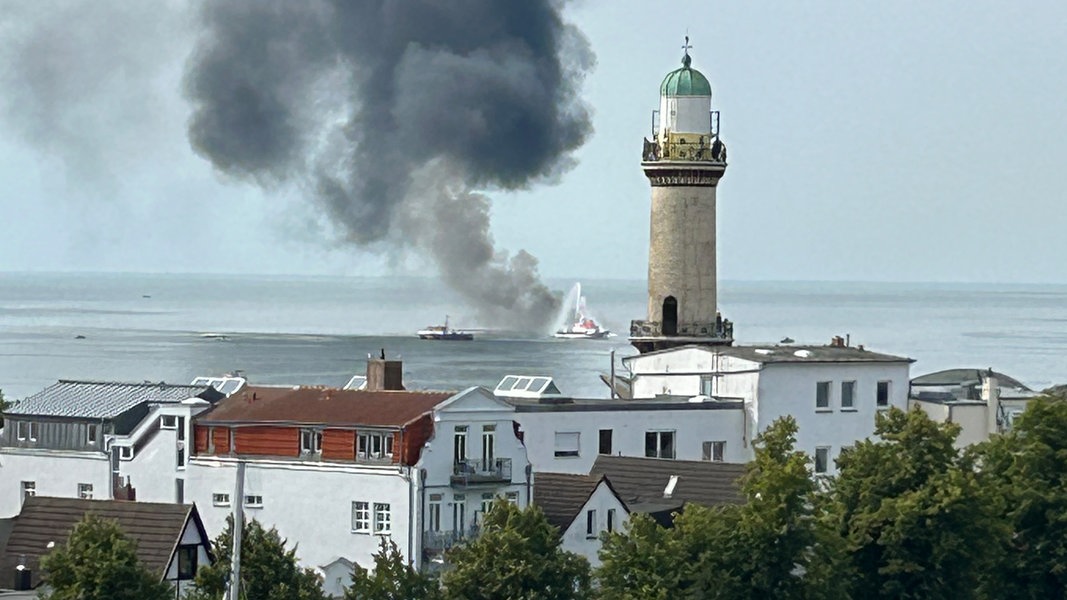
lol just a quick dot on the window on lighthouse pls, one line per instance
(670, 316)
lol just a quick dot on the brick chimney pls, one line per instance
(384, 375)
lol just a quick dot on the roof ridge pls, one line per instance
(130, 383)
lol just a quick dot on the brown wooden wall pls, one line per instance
(199, 439)
(220, 437)
(339, 444)
(267, 441)
(413, 438)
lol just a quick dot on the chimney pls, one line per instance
(991, 396)
(837, 342)
(384, 374)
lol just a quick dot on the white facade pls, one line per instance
(684, 114)
(550, 434)
(832, 392)
(58, 473)
(154, 457)
(583, 535)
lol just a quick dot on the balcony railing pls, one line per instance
(475, 472)
(438, 541)
(723, 329)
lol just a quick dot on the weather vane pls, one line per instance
(686, 46)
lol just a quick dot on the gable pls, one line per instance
(474, 400)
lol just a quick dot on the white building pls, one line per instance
(981, 402)
(88, 439)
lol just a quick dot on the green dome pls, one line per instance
(685, 81)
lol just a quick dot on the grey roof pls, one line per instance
(953, 377)
(155, 527)
(641, 481)
(100, 399)
(776, 353)
(562, 495)
(609, 404)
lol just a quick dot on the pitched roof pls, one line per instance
(642, 481)
(951, 377)
(322, 406)
(561, 495)
(101, 399)
(774, 353)
(155, 527)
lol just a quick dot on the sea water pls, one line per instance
(320, 330)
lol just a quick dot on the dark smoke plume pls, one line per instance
(391, 113)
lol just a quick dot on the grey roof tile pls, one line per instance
(641, 481)
(561, 495)
(100, 399)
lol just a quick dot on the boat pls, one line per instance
(444, 332)
(583, 327)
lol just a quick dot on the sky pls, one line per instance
(869, 141)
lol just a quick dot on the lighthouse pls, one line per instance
(684, 161)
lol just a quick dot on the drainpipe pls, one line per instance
(529, 496)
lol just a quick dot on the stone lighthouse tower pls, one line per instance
(683, 161)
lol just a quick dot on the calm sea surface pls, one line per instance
(319, 330)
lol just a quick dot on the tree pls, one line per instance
(268, 570)
(517, 556)
(99, 562)
(775, 545)
(1027, 470)
(393, 579)
(914, 518)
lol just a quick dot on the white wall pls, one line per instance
(685, 114)
(692, 428)
(576, 538)
(57, 473)
(789, 389)
(309, 503)
(678, 373)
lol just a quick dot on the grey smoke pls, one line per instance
(391, 114)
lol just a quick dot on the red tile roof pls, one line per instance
(322, 406)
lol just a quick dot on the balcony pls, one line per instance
(438, 541)
(466, 473)
(647, 336)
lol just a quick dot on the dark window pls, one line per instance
(822, 459)
(883, 394)
(611, 519)
(848, 394)
(590, 523)
(822, 395)
(605, 441)
(659, 444)
(714, 451)
(187, 556)
(179, 491)
(670, 316)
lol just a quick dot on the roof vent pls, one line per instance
(671, 484)
(700, 398)
(764, 351)
(524, 386)
(803, 354)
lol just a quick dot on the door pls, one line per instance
(670, 316)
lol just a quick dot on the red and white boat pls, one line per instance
(583, 326)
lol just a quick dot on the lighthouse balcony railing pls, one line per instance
(713, 123)
(719, 329)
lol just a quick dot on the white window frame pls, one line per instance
(707, 385)
(91, 433)
(433, 521)
(85, 491)
(383, 518)
(253, 501)
(360, 516)
(366, 442)
(716, 451)
(659, 434)
(825, 450)
(28, 488)
(168, 422)
(125, 452)
(563, 447)
(851, 387)
(512, 497)
(22, 430)
(310, 441)
(220, 499)
(888, 393)
(826, 405)
(459, 444)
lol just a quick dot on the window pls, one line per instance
(659, 444)
(181, 429)
(29, 488)
(512, 497)
(374, 445)
(126, 452)
(460, 445)
(27, 430)
(180, 455)
(590, 523)
(487, 503)
(435, 513)
(91, 432)
(254, 501)
(168, 422)
(85, 491)
(360, 517)
(822, 459)
(714, 451)
(882, 400)
(706, 385)
(382, 518)
(848, 395)
(187, 562)
(488, 446)
(566, 444)
(605, 442)
(179, 491)
(220, 499)
(822, 395)
(459, 509)
(310, 441)
(611, 519)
